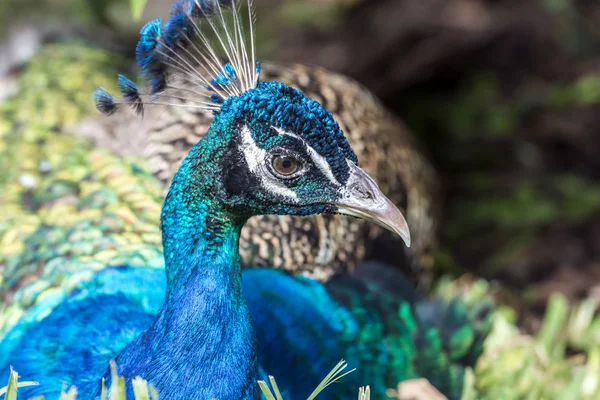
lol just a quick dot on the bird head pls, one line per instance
(270, 148)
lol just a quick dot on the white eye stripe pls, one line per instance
(316, 158)
(255, 158)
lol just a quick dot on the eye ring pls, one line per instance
(285, 165)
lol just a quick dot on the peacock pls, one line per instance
(319, 245)
(269, 150)
(316, 246)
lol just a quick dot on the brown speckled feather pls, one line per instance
(316, 245)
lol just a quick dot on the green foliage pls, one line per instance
(572, 28)
(478, 110)
(84, 12)
(482, 110)
(503, 198)
(519, 215)
(561, 362)
(480, 125)
(535, 203)
(324, 15)
(137, 8)
(582, 92)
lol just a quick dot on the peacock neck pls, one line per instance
(202, 343)
(200, 243)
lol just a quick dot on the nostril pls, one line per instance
(367, 195)
(363, 192)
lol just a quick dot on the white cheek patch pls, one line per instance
(255, 158)
(316, 158)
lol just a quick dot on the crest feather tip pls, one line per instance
(105, 102)
(131, 94)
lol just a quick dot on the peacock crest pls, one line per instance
(198, 58)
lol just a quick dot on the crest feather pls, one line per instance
(182, 66)
(105, 102)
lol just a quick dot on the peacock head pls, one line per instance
(270, 148)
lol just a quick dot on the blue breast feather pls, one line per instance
(303, 329)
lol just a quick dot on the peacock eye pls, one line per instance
(285, 165)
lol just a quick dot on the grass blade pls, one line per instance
(13, 384)
(103, 392)
(11, 388)
(275, 388)
(153, 392)
(117, 384)
(140, 389)
(266, 391)
(364, 393)
(70, 395)
(333, 376)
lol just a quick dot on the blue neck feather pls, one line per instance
(203, 333)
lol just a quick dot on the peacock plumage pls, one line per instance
(113, 297)
(318, 245)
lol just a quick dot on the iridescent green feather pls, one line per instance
(69, 209)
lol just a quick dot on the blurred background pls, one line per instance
(504, 95)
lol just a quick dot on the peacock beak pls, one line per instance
(363, 199)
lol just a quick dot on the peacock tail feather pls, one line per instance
(69, 209)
